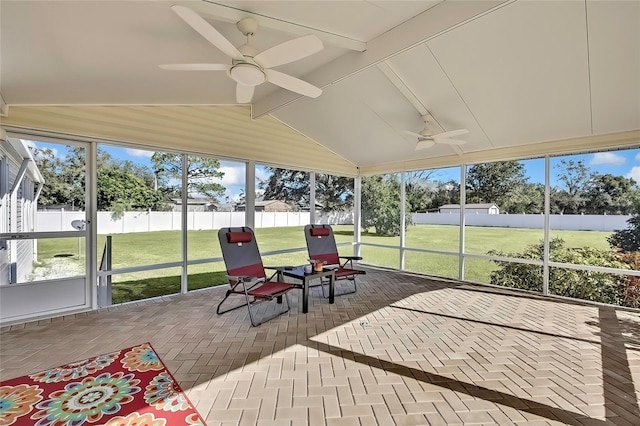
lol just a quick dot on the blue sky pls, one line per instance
(618, 163)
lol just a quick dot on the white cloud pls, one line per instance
(637, 156)
(138, 152)
(634, 173)
(233, 175)
(608, 158)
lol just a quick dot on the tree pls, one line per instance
(122, 186)
(75, 175)
(201, 173)
(56, 189)
(447, 192)
(576, 178)
(290, 186)
(333, 193)
(418, 196)
(527, 198)
(381, 205)
(120, 191)
(494, 182)
(609, 194)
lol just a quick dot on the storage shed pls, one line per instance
(470, 208)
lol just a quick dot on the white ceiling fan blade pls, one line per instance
(289, 51)
(412, 134)
(427, 143)
(450, 141)
(244, 94)
(294, 84)
(450, 134)
(194, 67)
(205, 29)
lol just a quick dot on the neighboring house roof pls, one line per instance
(226, 206)
(263, 203)
(469, 206)
(194, 201)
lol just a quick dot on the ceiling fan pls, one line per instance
(426, 138)
(250, 68)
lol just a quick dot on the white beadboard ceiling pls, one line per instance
(524, 77)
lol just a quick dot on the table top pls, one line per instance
(298, 272)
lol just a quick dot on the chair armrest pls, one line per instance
(279, 268)
(351, 257)
(244, 279)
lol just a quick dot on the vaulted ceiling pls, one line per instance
(525, 78)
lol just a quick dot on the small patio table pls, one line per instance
(298, 273)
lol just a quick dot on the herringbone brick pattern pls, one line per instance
(404, 350)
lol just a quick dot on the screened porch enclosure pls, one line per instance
(536, 243)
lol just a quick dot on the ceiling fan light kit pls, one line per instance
(250, 68)
(247, 74)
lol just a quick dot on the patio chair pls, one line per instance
(246, 273)
(321, 245)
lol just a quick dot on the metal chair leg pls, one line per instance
(277, 314)
(229, 293)
(324, 283)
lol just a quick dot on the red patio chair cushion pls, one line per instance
(346, 272)
(270, 289)
(239, 237)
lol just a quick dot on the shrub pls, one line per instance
(631, 291)
(586, 285)
(627, 240)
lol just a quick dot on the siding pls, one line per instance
(4, 219)
(16, 216)
(222, 131)
(25, 248)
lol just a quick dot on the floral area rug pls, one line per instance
(124, 388)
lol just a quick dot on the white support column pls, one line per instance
(312, 197)
(184, 287)
(91, 216)
(357, 216)
(250, 195)
(463, 202)
(403, 220)
(547, 223)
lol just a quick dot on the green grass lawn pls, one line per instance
(148, 248)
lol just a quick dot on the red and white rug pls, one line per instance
(124, 388)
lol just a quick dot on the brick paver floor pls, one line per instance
(404, 350)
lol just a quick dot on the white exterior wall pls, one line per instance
(4, 218)
(25, 249)
(17, 214)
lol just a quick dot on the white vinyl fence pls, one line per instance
(168, 221)
(108, 223)
(572, 222)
